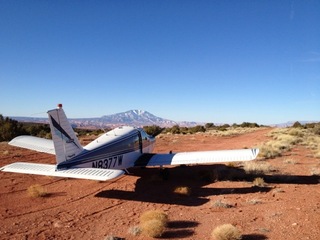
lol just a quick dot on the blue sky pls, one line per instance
(207, 61)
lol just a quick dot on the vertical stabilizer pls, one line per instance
(66, 144)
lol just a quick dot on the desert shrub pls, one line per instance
(209, 125)
(226, 232)
(249, 125)
(197, 129)
(182, 191)
(36, 191)
(90, 132)
(297, 125)
(9, 128)
(174, 130)
(153, 130)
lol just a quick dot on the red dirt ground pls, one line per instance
(288, 208)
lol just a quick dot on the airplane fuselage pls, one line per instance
(116, 149)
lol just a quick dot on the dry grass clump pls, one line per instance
(259, 182)
(226, 232)
(5, 152)
(290, 161)
(278, 190)
(231, 131)
(313, 142)
(220, 204)
(153, 228)
(269, 150)
(135, 230)
(254, 201)
(232, 164)
(257, 168)
(288, 140)
(154, 214)
(283, 140)
(153, 223)
(182, 191)
(37, 191)
(315, 171)
(297, 132)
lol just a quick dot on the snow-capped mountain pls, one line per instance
(137, 118)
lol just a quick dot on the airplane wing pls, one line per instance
(34, 143)
(200, 157)
(50, 170)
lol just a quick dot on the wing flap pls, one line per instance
(197, 157)
(34, 143)
(50, 170)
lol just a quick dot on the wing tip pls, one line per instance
(255, 152)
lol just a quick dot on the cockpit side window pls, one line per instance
(131, 143)
(145, 138)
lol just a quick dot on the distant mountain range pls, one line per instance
(135, 118)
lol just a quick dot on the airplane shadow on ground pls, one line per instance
(254, 237)
(179, 229)
(158, 187)
(151, 187)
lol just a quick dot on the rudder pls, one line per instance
(65, 141)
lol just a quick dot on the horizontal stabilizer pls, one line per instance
(50, 170)
(200, 157)
(34, 143)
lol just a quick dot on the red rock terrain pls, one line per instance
(287, 208)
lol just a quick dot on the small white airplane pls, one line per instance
(110, 155)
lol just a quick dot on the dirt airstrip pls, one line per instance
(288, 207)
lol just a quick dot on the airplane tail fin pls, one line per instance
(66, 143)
